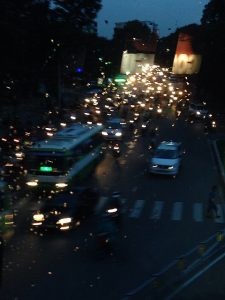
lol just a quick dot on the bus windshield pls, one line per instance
(47, 164)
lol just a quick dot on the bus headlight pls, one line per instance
(38, 217)
(32, 183)
(112, 210)
(61, 185)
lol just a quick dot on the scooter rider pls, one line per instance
(115, 208)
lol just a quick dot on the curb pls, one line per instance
(221, 168)
(221, 171)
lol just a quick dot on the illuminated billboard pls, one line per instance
(185, 60)
(134, 62)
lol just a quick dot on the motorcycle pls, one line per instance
(114, 209)
(106, 234)
(115, 148)
(144, 128)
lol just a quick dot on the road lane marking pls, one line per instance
(157, 210)
(136, 210)
(198, 212)
(220, 213)
(177, 211)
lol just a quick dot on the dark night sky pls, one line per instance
(166, 13)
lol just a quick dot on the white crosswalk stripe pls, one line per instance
(136, 210)
(198, 212)
(220, 213)
(157, 210)
(177, 211)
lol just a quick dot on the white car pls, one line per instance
(166, 159)
(113, 130)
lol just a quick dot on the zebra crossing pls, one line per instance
(195, 211)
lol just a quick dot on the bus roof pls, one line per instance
(67, 138)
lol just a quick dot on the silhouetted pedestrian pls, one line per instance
(212, 207)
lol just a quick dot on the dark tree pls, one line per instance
(213, 38)
(80, 14)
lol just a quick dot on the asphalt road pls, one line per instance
(160, 224)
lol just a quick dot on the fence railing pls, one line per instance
(162, 284)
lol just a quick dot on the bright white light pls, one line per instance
(112, 210)
(118, 133)
(64, 221)
(61, 185)
(38, 217)
(32, 183)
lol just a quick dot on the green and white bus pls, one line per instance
(70, 154)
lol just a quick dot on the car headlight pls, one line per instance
(118, 133)
(170, 167)
(64, 221)
(104, 133)
(154, 166)
(61, 185)
(38, 217)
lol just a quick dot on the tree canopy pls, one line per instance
(33, 33)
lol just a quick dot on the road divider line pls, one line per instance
(136, 210)
(157, 210)
(177, 211)
(198, 212)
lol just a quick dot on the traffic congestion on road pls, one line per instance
(101, 197)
